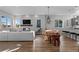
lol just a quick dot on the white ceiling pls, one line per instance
(39, 10)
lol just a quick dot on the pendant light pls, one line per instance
(48, 16)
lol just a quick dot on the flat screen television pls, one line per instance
(26, 21)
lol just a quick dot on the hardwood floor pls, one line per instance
(39, 45)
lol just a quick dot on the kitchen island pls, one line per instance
(72, 33)
(17, 36)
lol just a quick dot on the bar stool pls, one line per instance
(72, 33)
(76, 34)
(67, 32)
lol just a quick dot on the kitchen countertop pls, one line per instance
(15, 31)
(71, 30)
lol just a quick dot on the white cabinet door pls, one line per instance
(17, 36)
(3, 36)
(20, 36)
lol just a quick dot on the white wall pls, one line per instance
(44, 24)
(34, 22)
(64, 18)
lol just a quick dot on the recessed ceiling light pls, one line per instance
(17, 6)
(75, 16)
(76, 20)
(36, 15)
(27, 15)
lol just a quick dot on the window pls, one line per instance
(6, 21)
(18, 22)
(58, 23)
(3, 20)
(39, 23)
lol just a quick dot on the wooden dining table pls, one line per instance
(53, 35)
